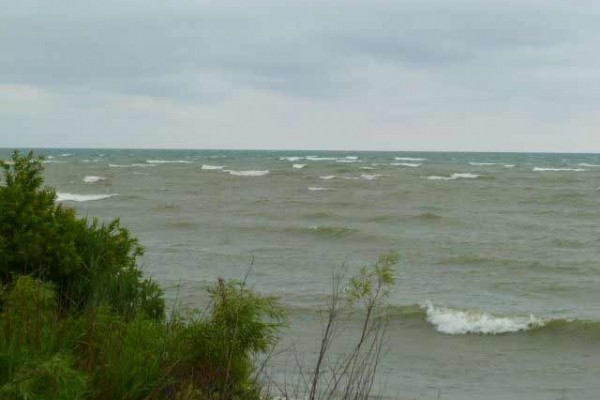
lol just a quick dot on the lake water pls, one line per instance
(498, 293)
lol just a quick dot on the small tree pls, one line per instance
(89, 263)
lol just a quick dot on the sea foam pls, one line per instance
(317, 188)
(541, 169)
(460, 322)
(247, 173)
(93, 179)
(409, 159)
(453, 177)
(212, 167)
(404, 164)
(327, 177)
(82, 197)
(169, 161)
(299, 166)
(370, 177)
(482, 164)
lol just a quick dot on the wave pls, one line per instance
(482, 164)
(316, 158)
(370, 177)
(542, 169)
(332, 231)
(368, 168)
(293, 158)
(347, 161)
(327, 177)
(299, 166)
(461, 322)
(509, 165)
(453, 177)
(67, 155)
(82, 197)
(169, 162)
(53, 162)
(409, 159)
(212, 167)
(119, 166)
(428, 216)
(143, 165)
(93, 179)
(404, 164)
(588, 165)
(317, 188)
(247, 173)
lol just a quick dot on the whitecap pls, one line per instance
(212, 167)
(293, 158)
(453, 177)
(299, 166)
(67, 155)
(589, 165)
(368, 168)
(118, 166)
(143, 165)
(482, 164)
(460, 322)
(370, 177)
(93, 179)
(540, 169)
(53, 162)
(247, 173)
(82, 197)
(169, 161)
(411, 165)
(409, 159)
(347, 161)
(509, 165)
(50, 157)
(317, 188)
(316, 158)
(327, 177)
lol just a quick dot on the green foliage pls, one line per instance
(89, 263)
(373, 284)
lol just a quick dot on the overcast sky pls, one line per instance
(470, 75)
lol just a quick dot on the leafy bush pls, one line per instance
(89, 263)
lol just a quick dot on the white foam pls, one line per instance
(82, 197)
(482, 164)
(118, 166)
(351, 158)
(299, 166)
(370, 177)
(327, 177)
(143, 165)
(317, 188)
(509, 165)
(292, 159)
(589, 165)
(67, 154)
(169, 161)
(247, 173)
(404, 164)
(50, 157)
(93, 179)
(460, 322)
(348, 161)
(453, 177)
(540, 169)
(212, 167)
(368, 168)
(409, 159)
(315, 158)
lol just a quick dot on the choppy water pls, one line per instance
(499, 279)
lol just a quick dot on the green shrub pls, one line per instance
(89, 263)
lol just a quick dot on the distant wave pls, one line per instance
(368, 168)
(299, 166)
(333, 231)
(370, 177)
(589, 165)
(409, 159)
(509, 165)
(460, 322)
(93, 179)
(293, 158)
(131, 165)
(143, 165)
(404, 164)
(316, 158)
(348, 160)
(482, 164)
(541, 169)
(67, 155)
(213, 167)
(327, 177)
(82, 197)
(119, 165)
(453, 177)
(169, 161)
(317, 188)
(247, 173)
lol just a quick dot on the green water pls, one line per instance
(497, 296)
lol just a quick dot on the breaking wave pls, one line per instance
(212, 167)
(317, 188)
(327, 177)
(453, 177)
(82, 197)
(299, 166)
(482, 164)
(169, 161)
(370, 177)
(405, 164)
(93, 179)
(461, 322)
(541, 169)
(294, 158)
(409, 159)
(247, 173)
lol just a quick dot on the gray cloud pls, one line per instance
(418, 59)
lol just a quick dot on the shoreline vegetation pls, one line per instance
(79, 320)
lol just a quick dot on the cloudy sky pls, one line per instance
(471, 75)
